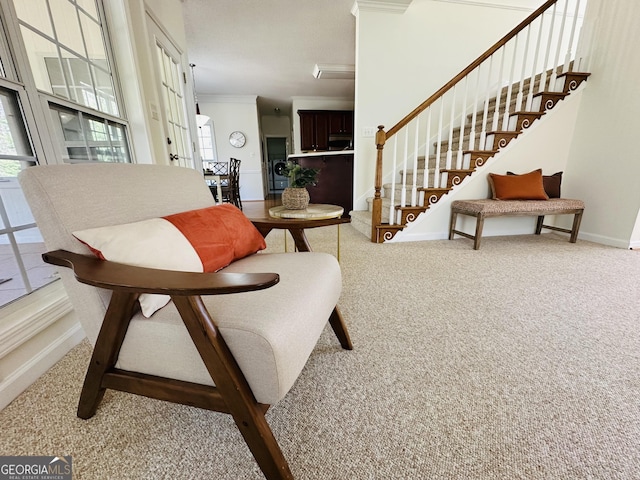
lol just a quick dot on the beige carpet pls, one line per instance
(518, 361)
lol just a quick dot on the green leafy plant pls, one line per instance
(301, 177)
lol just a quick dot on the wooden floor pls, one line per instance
(260, 208)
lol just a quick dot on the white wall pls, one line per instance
(231, 113)
(132, 45)
(401, 59)
(604, 156)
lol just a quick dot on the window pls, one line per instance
(66, 51)
(207, 143)
(69, 61)
(88, 138)
(20, 243)
(67, 83)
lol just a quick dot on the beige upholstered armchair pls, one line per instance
(234, 341)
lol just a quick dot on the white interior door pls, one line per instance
(172, 83)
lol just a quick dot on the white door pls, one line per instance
(172, 83)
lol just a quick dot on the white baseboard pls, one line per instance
(19, 380)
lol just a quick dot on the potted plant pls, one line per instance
(296, 196)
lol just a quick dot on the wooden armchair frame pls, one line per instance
(231, 393)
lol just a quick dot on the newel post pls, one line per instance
(376, 215)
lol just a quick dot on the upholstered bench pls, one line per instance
(485, 208)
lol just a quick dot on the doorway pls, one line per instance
(276, 161)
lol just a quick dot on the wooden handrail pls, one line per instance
(499, 44)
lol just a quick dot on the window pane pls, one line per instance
(13, 135)
(88, 138)
(65, 19)
(93, 38)
(73, 63)
(70, 122)
(106, 95)
(36, 14)
(31, 248)
(14, 204)
(11, 283)
(79, 80)
(89, 6)
(38, 49)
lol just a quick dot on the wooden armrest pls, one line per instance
(118, 276)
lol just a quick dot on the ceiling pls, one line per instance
(269, 48)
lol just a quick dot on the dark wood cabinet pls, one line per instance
(335, 182)
(340, 122)
(316, 126)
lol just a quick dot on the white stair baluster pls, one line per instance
(393, 181)
(403, 192)
(483, 131)
(463, 118)
(427, 148)
(535, 65)
(474, 114)
(505, 118)
(451, 119)
(545, 63)
(556, 60)
(436, 174)
(416, 146)
(496, 110)
(525, 55)
(567, 59)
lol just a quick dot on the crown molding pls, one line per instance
(490, 4)
(386, 6)
(249, 99)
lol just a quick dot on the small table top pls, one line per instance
(315, 211)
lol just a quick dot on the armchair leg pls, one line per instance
(340, 329)
(230, 381)
(106, 351)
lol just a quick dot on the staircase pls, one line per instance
(447, 139)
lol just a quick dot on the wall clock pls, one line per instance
(237, 139)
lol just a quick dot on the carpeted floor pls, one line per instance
(517, 361)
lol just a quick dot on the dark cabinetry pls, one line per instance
(335, 182)
(340, 122)
(316, 126)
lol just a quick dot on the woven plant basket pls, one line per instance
(295, 198)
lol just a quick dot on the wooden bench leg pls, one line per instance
(576, 226)
(539, 224)
(452, 224)
(479, 227)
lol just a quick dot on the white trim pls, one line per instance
(481, 3)
(27, 317)
(604, 240)
(387, 6)
(250, 99)
(19, 380)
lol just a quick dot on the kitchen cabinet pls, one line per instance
(340, 122)
(314, 131)
(316, 126)
(335, 182)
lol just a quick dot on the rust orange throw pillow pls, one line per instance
(203, 240)
(219, 234)
(527, 186)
